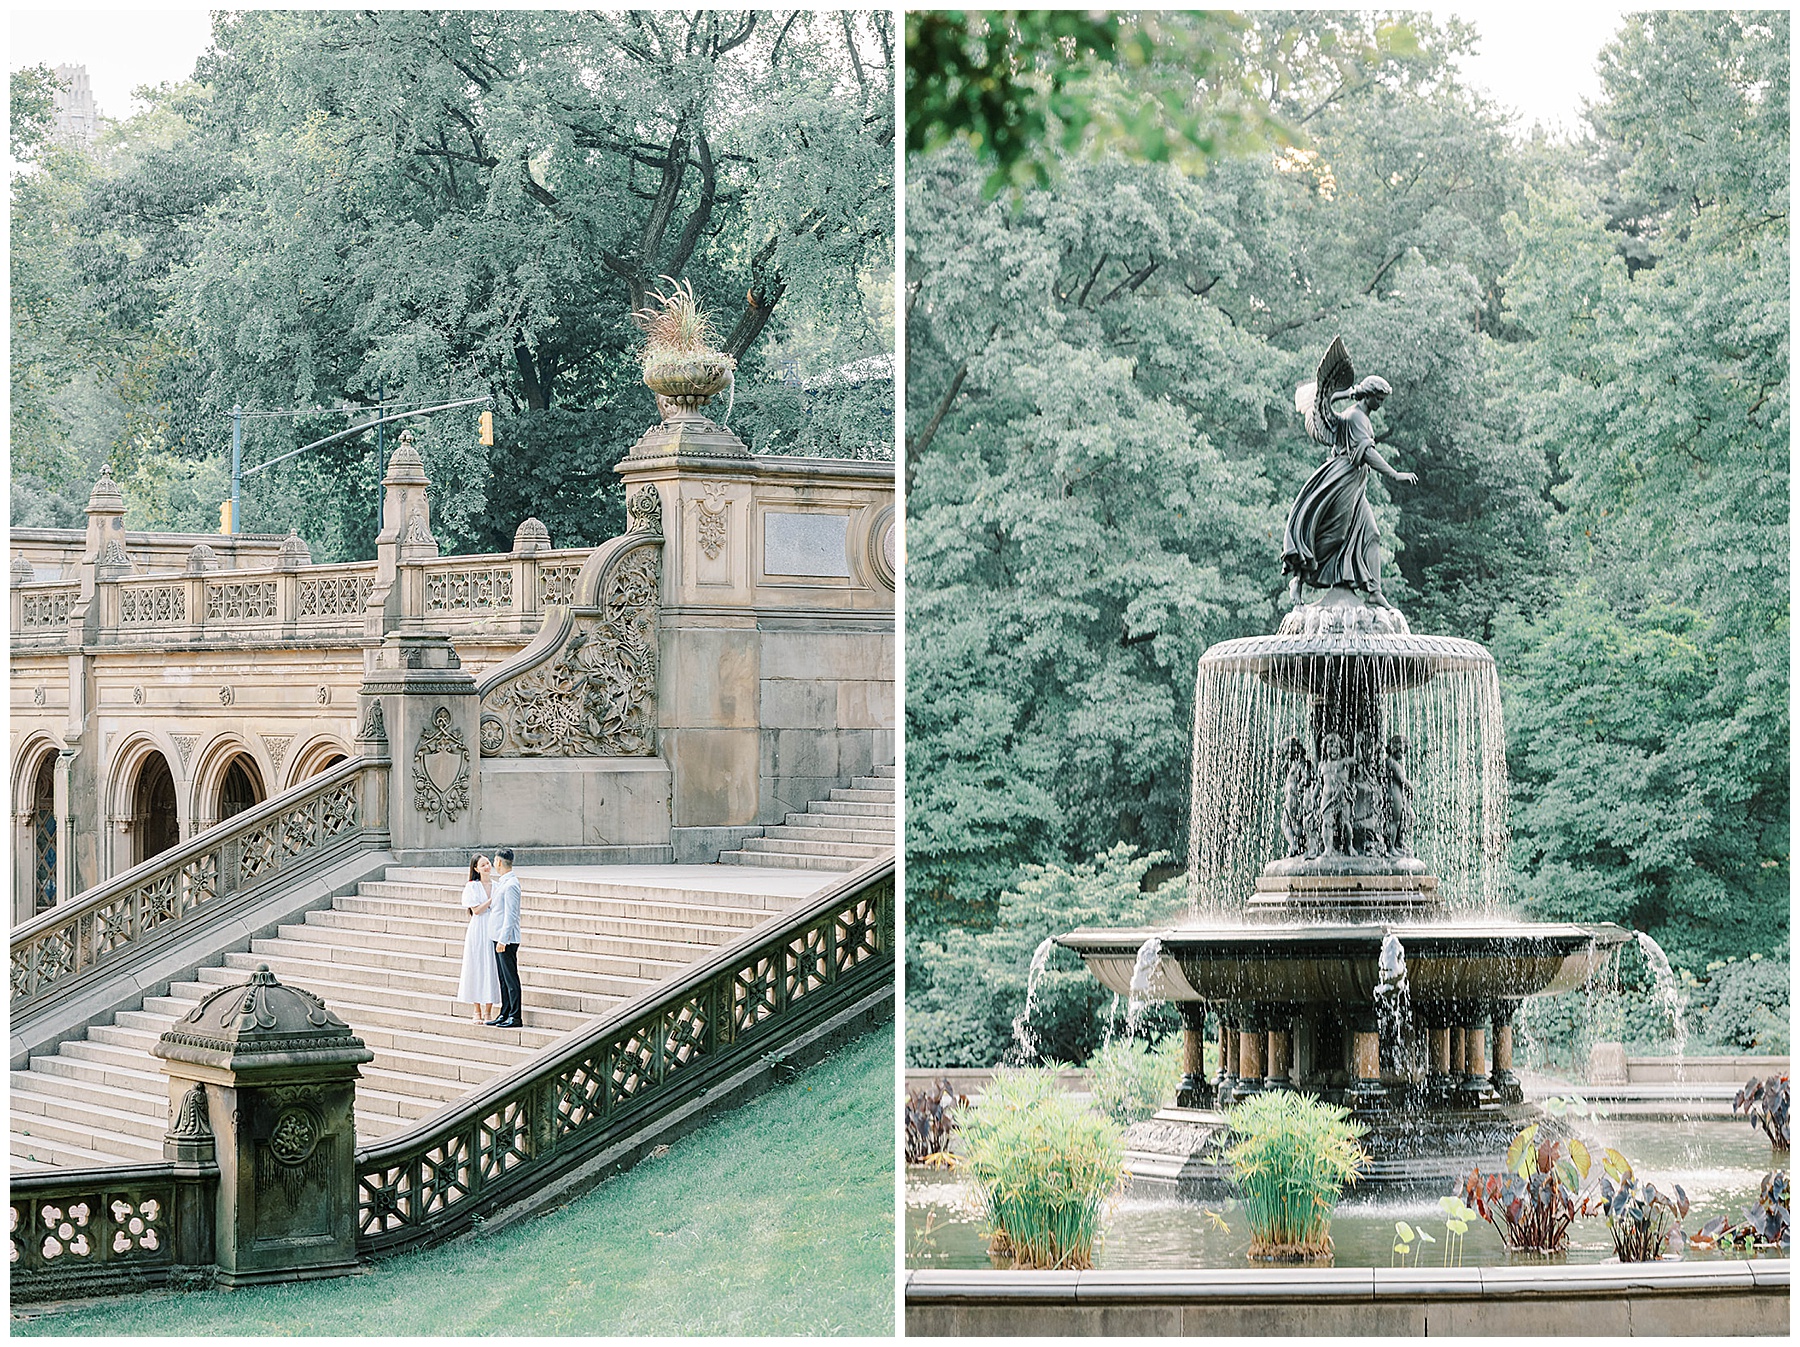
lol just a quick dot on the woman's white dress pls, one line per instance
(480, 981)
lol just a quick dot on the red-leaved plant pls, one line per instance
(1534, 1201)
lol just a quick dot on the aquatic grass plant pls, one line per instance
(1043, 1164)
(1294, 1156)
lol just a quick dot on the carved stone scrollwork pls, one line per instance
(441, 770)
(374, 728)
(191, 1118)
(596, 696)
(714, 512)
(646, 511)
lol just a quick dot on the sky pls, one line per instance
(1536, 60)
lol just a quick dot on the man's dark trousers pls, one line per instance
(510, 992)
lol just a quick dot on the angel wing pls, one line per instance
(1313, 398)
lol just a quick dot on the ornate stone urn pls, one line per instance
(270, 1073)
(682, 363)
(685, 386)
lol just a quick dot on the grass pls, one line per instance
(775, 1219)
(1043, 1164)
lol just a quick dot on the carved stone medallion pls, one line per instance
(441, 770)
(713, 515)
(646, 511)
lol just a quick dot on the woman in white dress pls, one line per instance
(480, 981)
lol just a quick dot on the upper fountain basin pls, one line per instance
(1315, 662)
(1332, 964)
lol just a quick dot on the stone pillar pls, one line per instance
(1458, 1053)
(271, 1074)
(1366, 1092)
(1225, 1084)
(1505, 1083)
(1440, 1082)
(1194, 1091)
(1251, 1042)
(1474, 1081)
(405, 537)
(430, 717)
(776, 628)
(1280, 1059)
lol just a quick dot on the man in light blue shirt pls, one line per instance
(505, 929)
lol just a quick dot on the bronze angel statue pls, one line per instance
(1330, 541)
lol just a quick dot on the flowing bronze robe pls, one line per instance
(1330, 538)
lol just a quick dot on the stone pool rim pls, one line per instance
(1723, 1297)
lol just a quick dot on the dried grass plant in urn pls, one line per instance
(682, 363)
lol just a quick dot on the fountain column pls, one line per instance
(1194, 1090)
(1252, 1039)
(1366, 1092)
(1506, 1084)
(1458, 1058)
(1280, 1059)
(1474, 1081)
(1440, 1082)
(1228, 1059)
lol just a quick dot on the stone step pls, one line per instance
(548, 932)
(787, 862)
(386, 960)
(660, 905)
(796, 833)
(843, 808)
(787, 846)
(558, 948)
(840, 823)
(433, 1019)
(615, 893)
(851, 795)
(884, 784)
(578, 988)
(445, 971)
(883, 769)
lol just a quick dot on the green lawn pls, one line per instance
(777, 1218)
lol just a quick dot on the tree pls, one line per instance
(416, 205)
(1648, 704)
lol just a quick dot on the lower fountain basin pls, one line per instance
(1339, 964)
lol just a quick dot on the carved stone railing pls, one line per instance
(586, 685)
(468, 585)
(614, 1079)
(333, 595)
(210, 877)
(124, 1227)
(43, 609)
(152, 603)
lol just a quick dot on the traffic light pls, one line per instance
(487, 427)
(225, 517)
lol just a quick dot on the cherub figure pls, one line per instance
(1400, 815)
(1368, 835)
(1337, 797)
(1299, 799)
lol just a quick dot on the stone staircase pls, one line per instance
(851, 828)
(386, 960)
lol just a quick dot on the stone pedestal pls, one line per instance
(1251, 1043)
(264, 1076)
(1440, 1083)
(1366, 1092)
(1606, 1064)
(430, 716)
(1474, 1081)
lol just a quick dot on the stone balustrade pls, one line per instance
(501, 594)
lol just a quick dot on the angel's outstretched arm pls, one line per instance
(1372, 456)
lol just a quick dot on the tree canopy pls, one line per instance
(346, 206)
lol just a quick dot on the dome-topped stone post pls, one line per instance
(270, 1072)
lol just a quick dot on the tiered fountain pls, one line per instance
(1346, 863)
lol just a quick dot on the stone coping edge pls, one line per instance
(1282, 1286)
